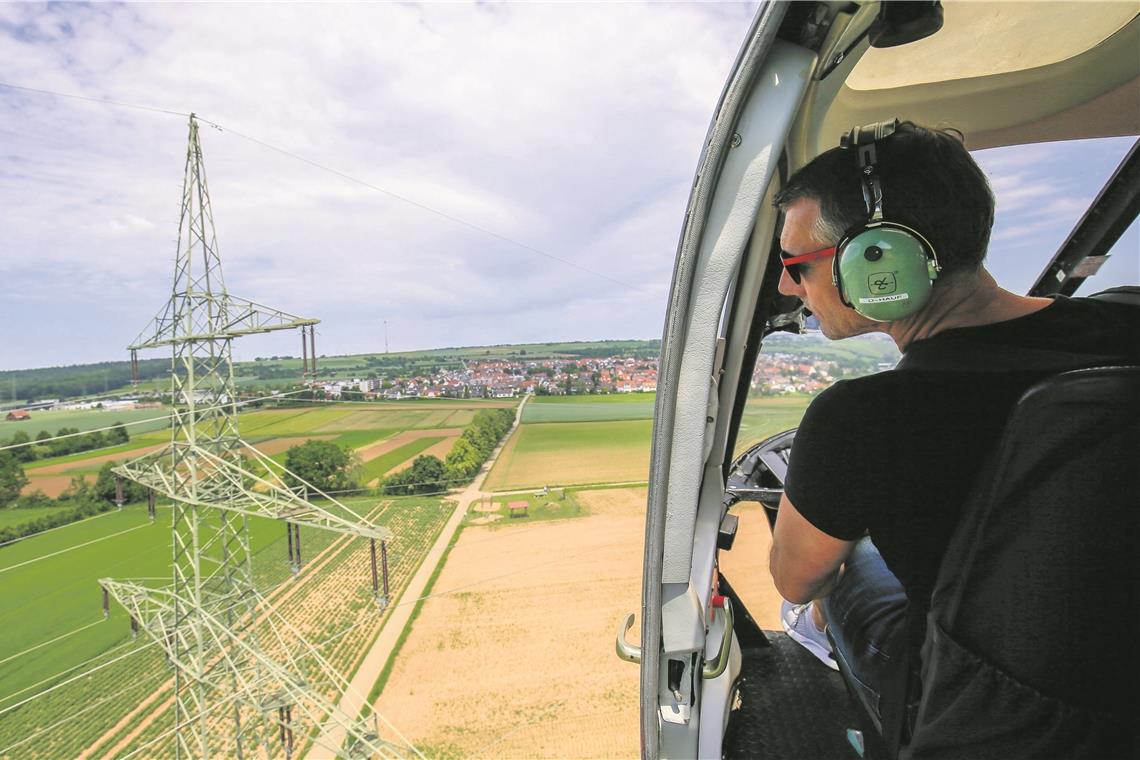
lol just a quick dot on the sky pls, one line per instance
(554, 144)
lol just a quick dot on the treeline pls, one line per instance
(332, 469)
(79, 500)
(76, 380)
(65, 441)
(428, 474)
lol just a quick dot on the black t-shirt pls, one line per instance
(896, 454)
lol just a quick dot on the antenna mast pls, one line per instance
(238, 687)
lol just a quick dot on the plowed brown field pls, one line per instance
(514, 657)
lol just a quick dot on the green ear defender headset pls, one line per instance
(884, 270)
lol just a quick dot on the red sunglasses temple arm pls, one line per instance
(822, 253)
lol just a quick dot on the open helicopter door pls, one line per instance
(690, 658)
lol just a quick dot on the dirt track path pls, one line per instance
(355, 696)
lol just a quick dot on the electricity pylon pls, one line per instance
(240, 669)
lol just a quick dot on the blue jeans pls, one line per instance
(866, 615)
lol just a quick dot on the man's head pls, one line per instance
(929, 183)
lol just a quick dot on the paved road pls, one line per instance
(354, 697)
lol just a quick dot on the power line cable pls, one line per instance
(425, 207)
(50, 641)
(89, 99)
(65, 671)
(58, 527)
(50, 689)
(71, 716)
(239, 402)
(71, 548)
(349, 178)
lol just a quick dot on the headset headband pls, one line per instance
(864, 140)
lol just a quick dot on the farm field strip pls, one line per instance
(368, 453)
(438, 450)
(371, 472)
(457, 690)
(136, 443)
(88, 419)
(588, 412)
(93, 461)
(560, 453)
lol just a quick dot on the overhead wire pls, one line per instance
(163, 418)
(52, 688)
(50, 641)
(89, 99)
(70, 548)
(347, 177)
(71, 716)
(58, 527)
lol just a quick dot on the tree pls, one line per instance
(322, 464)
(117, 434)
(25, 453)
(12, 478)
(105, 486)
(426, 475)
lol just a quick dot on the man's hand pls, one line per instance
(804, 561)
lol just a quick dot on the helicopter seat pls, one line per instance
(1031, 648)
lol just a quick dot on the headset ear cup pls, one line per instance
(883, 271)
(836, 277)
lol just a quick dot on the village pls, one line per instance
(504, 378)
(775, 374)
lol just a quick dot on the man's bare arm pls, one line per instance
(804, 561)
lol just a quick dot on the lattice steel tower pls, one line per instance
(245, 680)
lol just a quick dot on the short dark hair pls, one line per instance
(929, 182)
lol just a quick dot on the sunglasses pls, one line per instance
(792, 263)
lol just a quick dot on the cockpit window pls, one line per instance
(791, 369)
(1042, 191)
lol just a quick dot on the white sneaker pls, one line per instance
(798, 623)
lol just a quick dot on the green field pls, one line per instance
(560, 453)
(765, 416)
(48, 590)
(50, 587)
(375, 468)
(136, 442)
(571, 452)
(9, 517)
(88, 419)
(355, 418)
(590, 408)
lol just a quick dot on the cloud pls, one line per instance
(572, 129)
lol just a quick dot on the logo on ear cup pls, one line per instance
(882, 283)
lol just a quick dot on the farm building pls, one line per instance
(19, 414)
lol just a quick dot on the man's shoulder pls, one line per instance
(846, 400)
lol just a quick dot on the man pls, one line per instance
(883, 464)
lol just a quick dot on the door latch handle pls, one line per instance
(716, 667)
(625, 650)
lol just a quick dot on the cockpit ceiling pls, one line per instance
(1002, 73)
(981, 39)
